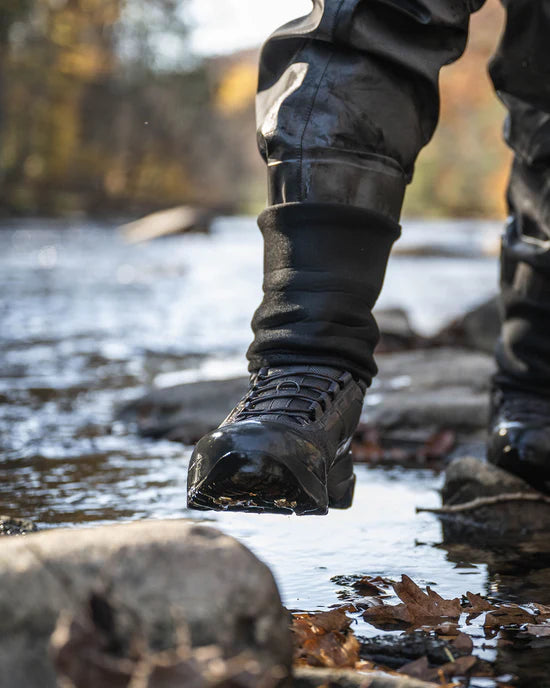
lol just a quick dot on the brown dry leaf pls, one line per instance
(325, 639)
(507, 615)
(425, 605)
(463, 643)
(369, 586)
(447, 629)
(417, 608)
(422, 670)
(543, 611)
(351, 608)
(478, 604)
(388, 616)
(322, 622)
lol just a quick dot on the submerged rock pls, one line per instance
(147, 585)
(396, 651)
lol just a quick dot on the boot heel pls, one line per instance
(341, 483)
(341, 495)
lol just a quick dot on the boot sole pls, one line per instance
(239, 483)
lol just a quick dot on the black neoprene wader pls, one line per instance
(347, 97)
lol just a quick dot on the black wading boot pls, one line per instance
(519, 426)
(284, 448)
(519, 435)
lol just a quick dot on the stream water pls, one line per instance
(88, 322)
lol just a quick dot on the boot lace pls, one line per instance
(300, 395)
(522, 407)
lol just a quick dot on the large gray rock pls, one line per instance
(184, 413)
(478, 329)
(430, 388)
(425, 388)
(396, 331)
(479, 498)
(163, 576)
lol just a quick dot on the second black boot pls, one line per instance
(519, 426)
(285, 446)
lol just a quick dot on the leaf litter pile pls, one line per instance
(433, 645)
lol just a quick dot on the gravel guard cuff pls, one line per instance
(324, 265)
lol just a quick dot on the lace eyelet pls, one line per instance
(284, 383)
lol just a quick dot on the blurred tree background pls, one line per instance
(104, 109)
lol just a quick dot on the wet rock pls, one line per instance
(479, 499)
(477, 329)
(309, 677)
(468, 478)
(429, 389)
(184, 413)
(160, 576)
(16, 526)
(396, 651)
(396, 331)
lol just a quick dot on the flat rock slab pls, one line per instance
(186, 412)
(164, 578)
(481, 499)
(430, 388)
(427, 388)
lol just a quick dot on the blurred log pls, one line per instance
(177, 220)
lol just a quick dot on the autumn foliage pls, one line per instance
(96, 118)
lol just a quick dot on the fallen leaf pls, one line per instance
(324, 622)
(422, 670)
(425, 604)
(387, 616)
(447, 629)
(325, 640)
(370, 587)
(350, 607)
(417, 608)
(463, 643)
(507, 615)
(478, 604)
(543, 611)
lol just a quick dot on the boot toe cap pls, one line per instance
(255, 466)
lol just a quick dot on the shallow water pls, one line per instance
(89, 322)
